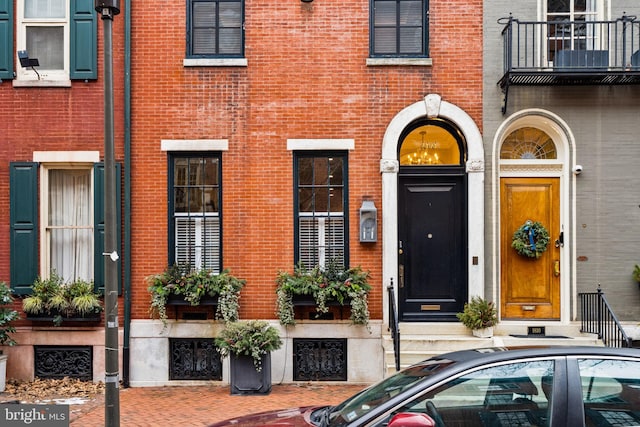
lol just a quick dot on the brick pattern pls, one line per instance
(306, 78)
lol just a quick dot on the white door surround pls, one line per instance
(432, 106)
(564, 141)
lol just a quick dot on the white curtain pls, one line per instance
(70, 221)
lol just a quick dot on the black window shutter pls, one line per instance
(98, 226)
(6, 39)
(83, 43)
(23, 201)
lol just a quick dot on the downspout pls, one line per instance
(126, 259)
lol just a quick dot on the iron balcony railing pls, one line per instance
(570, 52)
(597, 317)
(394, 326)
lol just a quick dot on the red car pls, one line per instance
(540, 386)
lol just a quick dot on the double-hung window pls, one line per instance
(399, 28)
(57, 207)
(573, 25)
(60, 34)
(215, 28)
(68, 242)
(321, 209)
(196, 224)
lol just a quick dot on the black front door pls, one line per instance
(432, 247)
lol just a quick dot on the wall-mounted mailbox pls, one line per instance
(368, 222)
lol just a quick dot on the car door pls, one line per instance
(514, 393)
(607, 391)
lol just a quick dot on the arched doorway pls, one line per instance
(531, 157)
(432, 233)
(451, 120)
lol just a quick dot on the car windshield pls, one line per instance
(376, 395)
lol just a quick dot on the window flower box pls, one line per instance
(180, 285)
(323, 288)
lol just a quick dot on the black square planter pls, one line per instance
(245, 379)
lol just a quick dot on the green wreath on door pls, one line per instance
(531, 239)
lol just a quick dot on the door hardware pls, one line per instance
(556, 268)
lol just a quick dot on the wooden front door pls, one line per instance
(530, 287)
(432, 248)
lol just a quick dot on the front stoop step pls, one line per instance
(419, 341)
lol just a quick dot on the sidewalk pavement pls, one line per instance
(203, 405)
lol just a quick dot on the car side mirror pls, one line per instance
(411, 419)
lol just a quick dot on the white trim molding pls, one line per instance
(320, 144)
(66, 156)
(194, 144)
(564, 140)
(433, 106)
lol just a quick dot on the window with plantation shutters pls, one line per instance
(215, 28)
(321, 209)
(321, 239)
(197, 241)
(195, 206)
(399, 28)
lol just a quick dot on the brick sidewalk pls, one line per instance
(202, 405)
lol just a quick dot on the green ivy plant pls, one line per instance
(478, 314)
(636, 273)
(192, 285)
(59, 299)
(333, 283)
(253, 338)
(7, 315)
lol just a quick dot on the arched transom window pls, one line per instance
(528, 143)
(430, 144)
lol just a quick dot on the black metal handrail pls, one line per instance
(570, 53)
(394, 326)
(597, 317)
(575, 45)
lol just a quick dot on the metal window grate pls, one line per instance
(62, 361)
(194, 359)
(320, 359)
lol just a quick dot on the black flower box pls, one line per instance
(305, 301)
(52, 317)
(308, 300)
(178, 301)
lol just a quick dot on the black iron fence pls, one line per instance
(394, 327)
(571, 45)
(597, 317)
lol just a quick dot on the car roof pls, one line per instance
(497, 354)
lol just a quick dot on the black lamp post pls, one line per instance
(107, 10)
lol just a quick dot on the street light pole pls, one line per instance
(107, 10)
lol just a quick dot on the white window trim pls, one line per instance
(27, 74)
(45, 249)
(194, 145)
(421, 62)
(320, 144)
(57, 160)
(215, 62)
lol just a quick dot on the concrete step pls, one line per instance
(421, 341)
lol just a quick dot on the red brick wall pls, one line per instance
(306, 78)
(56, 119)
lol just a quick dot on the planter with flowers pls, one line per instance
(480, 316)
(249, 345)
(54, 300)
(322, 288)
(7, 316)
(181, 285)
